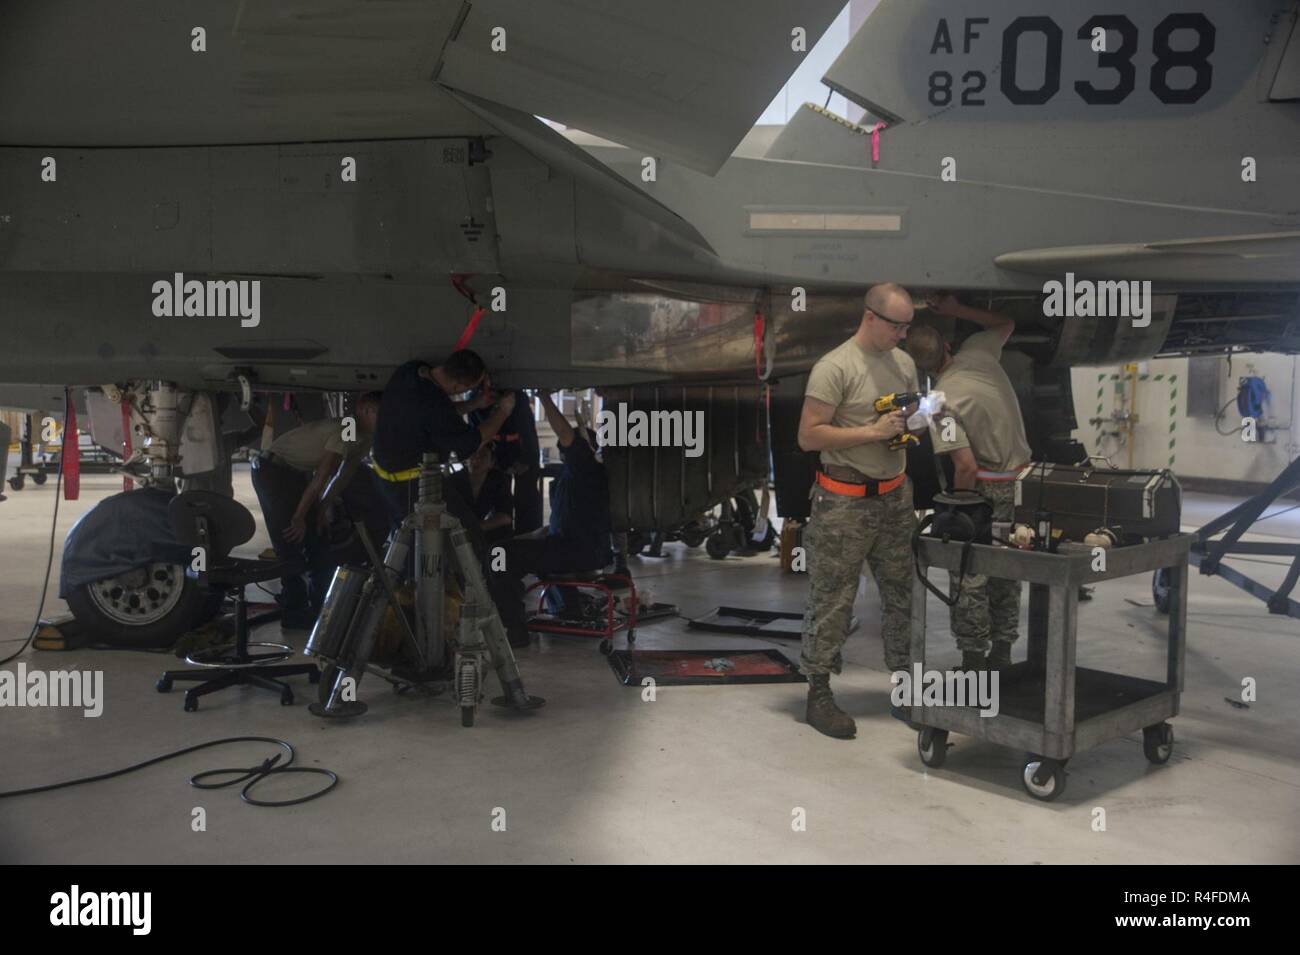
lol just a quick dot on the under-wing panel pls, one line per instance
(677, 78)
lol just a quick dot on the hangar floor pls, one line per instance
(702, 774)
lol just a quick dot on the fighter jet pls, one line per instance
(203, 200)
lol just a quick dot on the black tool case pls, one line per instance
(1082, 498)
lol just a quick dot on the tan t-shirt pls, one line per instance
(983, 405)
(851, 379)
(304, 446)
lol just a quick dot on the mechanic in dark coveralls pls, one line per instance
(417, 416)
(579, 535)
(517, 454)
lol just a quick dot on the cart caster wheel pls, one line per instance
(191, 705)
(40, 478)
(718, 546)
(1158, 742)
(631, 638)
(606, 648)
(286, 698)
(163, 685)
(467, 716)
(16, 482)
(1160, 590)
(1052, 786)
(932, 744)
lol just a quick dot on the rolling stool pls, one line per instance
(218, 524)
(594, 581)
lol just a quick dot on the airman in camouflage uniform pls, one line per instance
(862, 504)
(982, 429)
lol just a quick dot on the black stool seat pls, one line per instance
(218, 524)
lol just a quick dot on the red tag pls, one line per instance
(468, 333)
(759, 326)
(71, 457)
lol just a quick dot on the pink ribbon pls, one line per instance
(875, 141)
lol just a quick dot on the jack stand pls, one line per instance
(346, 632)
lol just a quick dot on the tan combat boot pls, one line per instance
(823, 715)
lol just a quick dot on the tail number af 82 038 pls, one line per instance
(1194, 33)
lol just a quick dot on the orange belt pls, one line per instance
(872, 488)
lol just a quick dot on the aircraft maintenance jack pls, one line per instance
(1208, 554)
(345, 634)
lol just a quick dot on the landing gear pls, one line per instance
(145, 608)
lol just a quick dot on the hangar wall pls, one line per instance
(1199, 452)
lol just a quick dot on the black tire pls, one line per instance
(1158, 743)
(932, 746)
(718, 546)
(40, 478)
(1160, 590)
(194, 605)
(606, 648)
(1054, 785)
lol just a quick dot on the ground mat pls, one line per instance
(699, 667)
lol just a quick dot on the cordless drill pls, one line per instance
(898, 401)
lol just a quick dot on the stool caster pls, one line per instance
(286, 697)
(163, 685)
(606, 647)
(932, 745)
(1158, 742)
(1044, 778)
(191, 703)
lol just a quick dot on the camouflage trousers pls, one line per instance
(843, 532)
(988, 607)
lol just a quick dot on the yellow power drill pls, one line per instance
(898, 401)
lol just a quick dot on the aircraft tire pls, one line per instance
(146, 609)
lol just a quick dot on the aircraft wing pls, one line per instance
(1270, 257)
(678, 78)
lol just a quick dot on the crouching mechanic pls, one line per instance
(862, 502)
(297, 480)
(578, 538)
(418, 416)
(982, 429)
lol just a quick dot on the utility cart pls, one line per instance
(1049, 707)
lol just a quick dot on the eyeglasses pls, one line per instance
(890, 321)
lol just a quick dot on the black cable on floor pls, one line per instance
(254, 774)
(49, 560)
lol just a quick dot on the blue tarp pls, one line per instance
(118, 534)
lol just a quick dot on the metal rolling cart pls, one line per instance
(1049, 707)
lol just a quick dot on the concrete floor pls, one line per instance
(702, 774)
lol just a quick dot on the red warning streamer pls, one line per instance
(71, 455)
(468, 333)
(760, 327)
